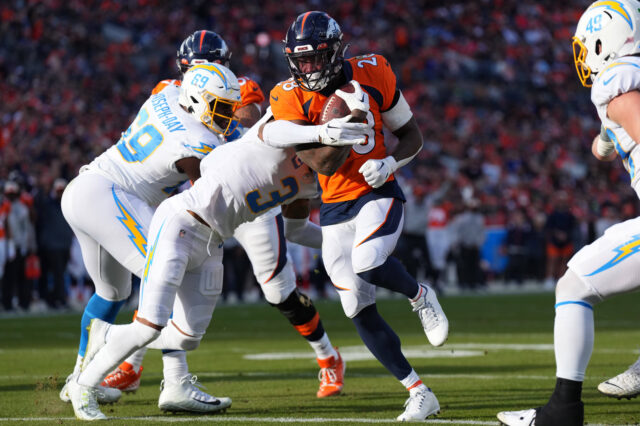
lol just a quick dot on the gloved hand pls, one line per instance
(339, 132)
(376, 172)
(355, 100)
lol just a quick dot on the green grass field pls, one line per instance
(499, 356)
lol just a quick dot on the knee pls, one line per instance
(570, 288)
(366, 258)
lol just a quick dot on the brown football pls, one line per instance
(335, 107)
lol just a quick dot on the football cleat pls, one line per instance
(553, 413)
(420, 405)
(331, 376)
(186, 396)
(84, 401)
(104, 395)
(124, 378)
(624, 385)
(97, 334)
(432, 317)
(518, 418)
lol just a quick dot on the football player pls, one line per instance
(110, 203)
(605, 49)
(182, 278)
(262, 239)
(362, 205)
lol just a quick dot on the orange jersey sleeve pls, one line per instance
(373, 72)
(163, 84)
(250, 92)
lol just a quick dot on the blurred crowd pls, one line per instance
(507, 125)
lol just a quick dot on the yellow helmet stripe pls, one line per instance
(614, 6)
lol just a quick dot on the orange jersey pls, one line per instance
(373, 72)
(250, 91)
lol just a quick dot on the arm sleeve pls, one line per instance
(283, 133)
(303, 232)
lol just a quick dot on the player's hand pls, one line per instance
(339, 132)
(376, 172)
(355, 100)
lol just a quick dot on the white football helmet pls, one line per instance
(607, 30)
(211, 93)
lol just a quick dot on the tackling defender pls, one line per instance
(182, 278)
(110, 203)
(606, 47)
(362, 205)
(262, 238)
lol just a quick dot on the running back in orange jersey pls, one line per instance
(249, 90)
(373, 72)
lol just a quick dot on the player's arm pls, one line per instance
(190, 166)
(625, 110)
(400, 120)
(602, 147)
(297, 227)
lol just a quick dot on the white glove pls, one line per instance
(339, 132)
(376, 172)
(355, 100)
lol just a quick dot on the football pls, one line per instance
(335, 107)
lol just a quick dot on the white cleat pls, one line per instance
(186, 396)
(97, 333)
(624, 385)
(518, 418)
(434, 321)
(84, 401)
(104, 395)
(419, 406)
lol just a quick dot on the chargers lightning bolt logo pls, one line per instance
(203, 149)
(623, 252)
(134, 228)
(614, 6)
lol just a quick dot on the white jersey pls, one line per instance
(622, 76)
(244, 179)
(143, 160)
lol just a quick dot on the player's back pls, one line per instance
(621, 76)
(373, 72)
(143, 160)
(243, 179)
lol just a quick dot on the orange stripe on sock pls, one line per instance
(416, 384)
(135, 315)
(309, 327)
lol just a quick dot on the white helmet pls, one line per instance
(211, 93)
(607, 30)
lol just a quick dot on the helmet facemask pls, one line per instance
(219, 114)
(313, 71)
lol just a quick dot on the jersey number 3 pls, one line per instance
(145, 139)
(253, 198)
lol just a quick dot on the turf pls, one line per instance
(36, 354)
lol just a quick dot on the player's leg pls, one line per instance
(95, 210)
(377, 228)
(192, 311)
(358, 302)
(264, 243)
(597, 272)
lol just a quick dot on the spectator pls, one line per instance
(468, 234)
(560, 227)
(20, 243)
(54, 240)
(518, 235)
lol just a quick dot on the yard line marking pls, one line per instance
(251, 419)
(224, 418)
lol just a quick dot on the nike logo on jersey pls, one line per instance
(275, 98)
(609, 80)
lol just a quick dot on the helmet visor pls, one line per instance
(579, 57)
(219, 114)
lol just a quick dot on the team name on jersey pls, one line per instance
(167, 117)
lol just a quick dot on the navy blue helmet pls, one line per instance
(202, 47)
(314, 50)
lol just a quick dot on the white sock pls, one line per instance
(323, 347)
(174, 366)
(76, 368)
(412, 382)
(573, 339)
(121, 340)
(135, 359)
